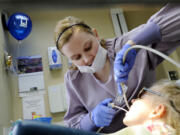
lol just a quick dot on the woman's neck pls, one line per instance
(103, 75)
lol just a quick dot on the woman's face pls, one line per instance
(138, 113)
(81, 48)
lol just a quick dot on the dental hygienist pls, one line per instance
(90, 82)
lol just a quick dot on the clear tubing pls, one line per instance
(124, 94)
(154, 51)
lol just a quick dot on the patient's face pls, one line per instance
(138, 113)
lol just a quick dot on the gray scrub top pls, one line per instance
(85, 91)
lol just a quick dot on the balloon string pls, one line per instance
(18, 49)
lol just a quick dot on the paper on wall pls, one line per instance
(33, 105)
(31, 82)
(32, 93)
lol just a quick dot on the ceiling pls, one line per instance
(75, 3)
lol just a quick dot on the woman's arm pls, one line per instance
(76, 116)
(149, 34)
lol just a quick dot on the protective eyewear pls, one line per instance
(144, 90)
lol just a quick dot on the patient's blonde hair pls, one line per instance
(65, 23)
(171, 91)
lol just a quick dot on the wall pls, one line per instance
(5, 90)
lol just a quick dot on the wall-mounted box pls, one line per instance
(54, 58)
(57, 98)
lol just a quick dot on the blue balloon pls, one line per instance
(19, 25)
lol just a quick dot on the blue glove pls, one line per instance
(121, 70)
(102, 115)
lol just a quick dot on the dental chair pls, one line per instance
(38, 128)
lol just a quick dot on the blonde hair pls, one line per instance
(66, 23)
(171, 91)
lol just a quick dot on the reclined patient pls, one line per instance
(156, 111)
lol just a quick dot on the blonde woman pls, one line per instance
(97, 66)
(155, 112)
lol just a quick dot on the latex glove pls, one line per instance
(121, 70)
(102, 114)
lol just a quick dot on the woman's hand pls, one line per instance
(121, 70)
(102, 114)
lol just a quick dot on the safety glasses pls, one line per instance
(144, 90)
